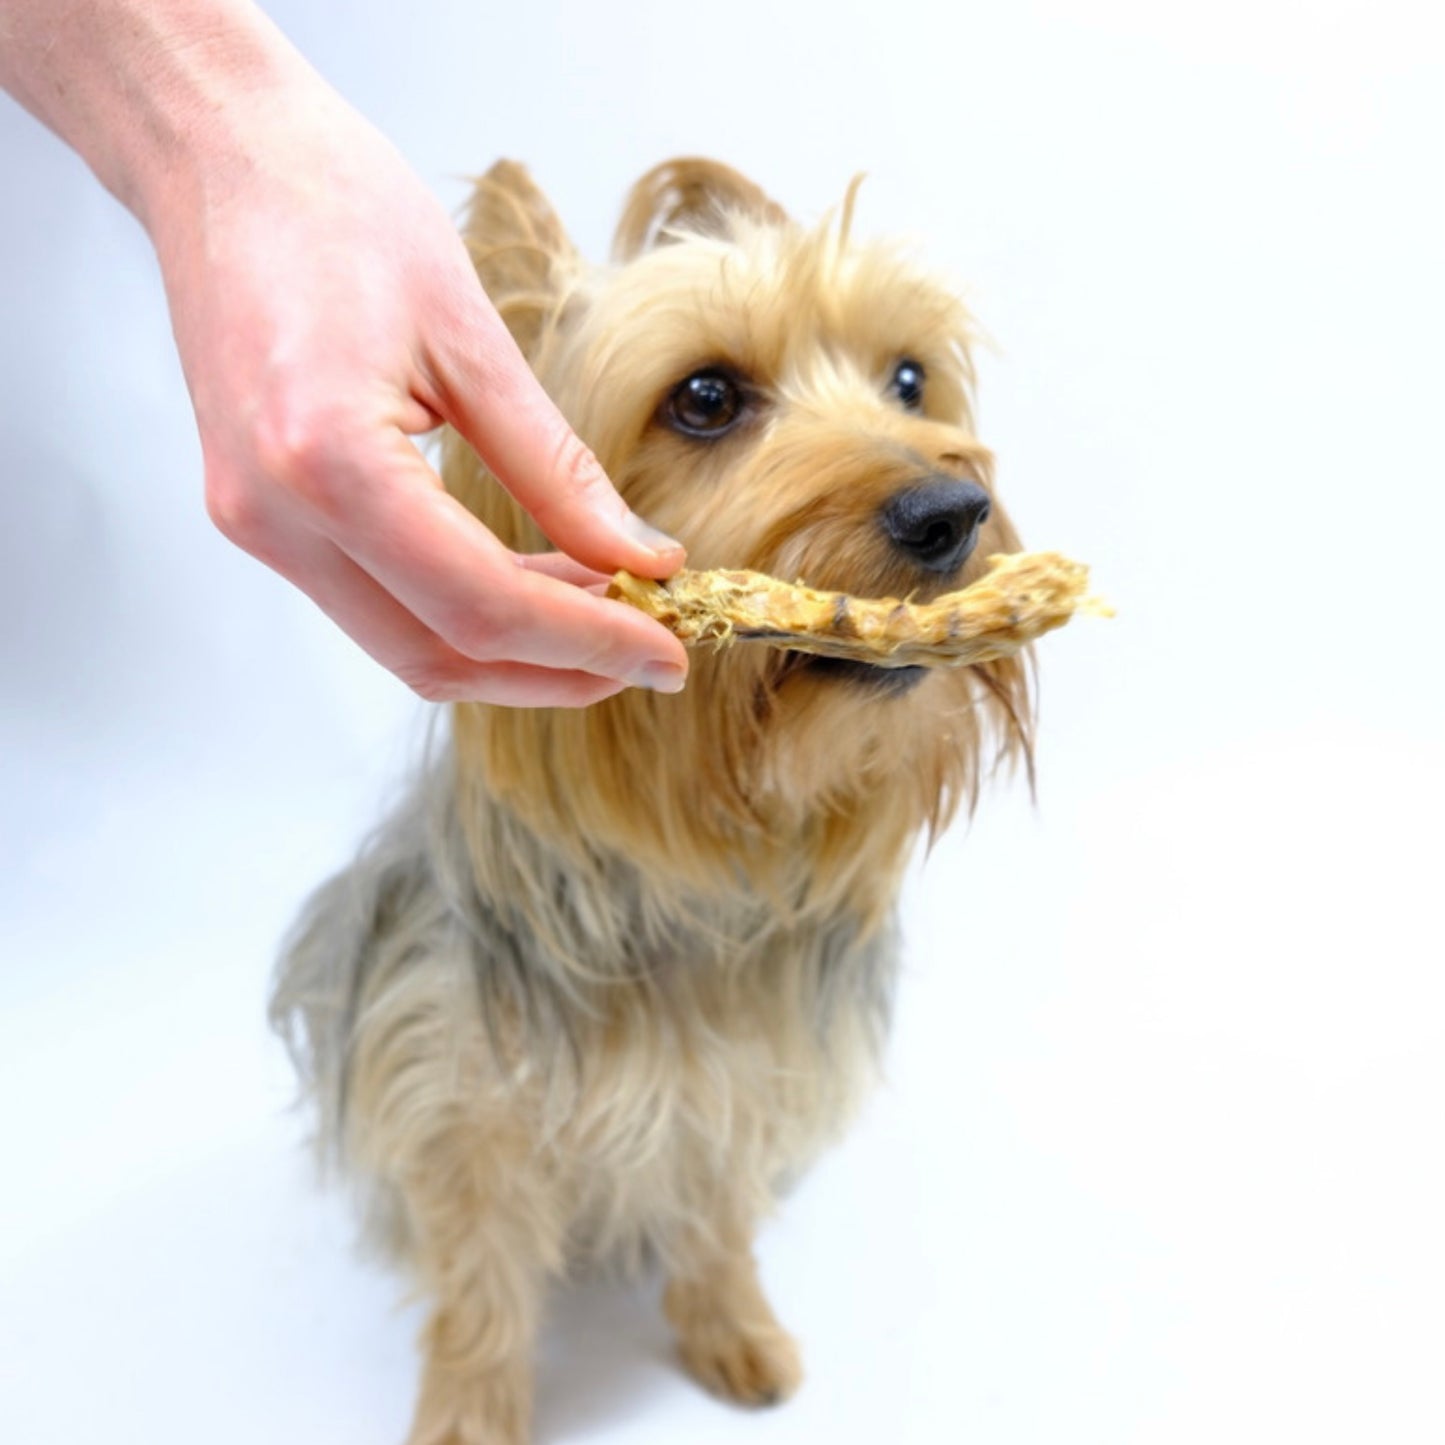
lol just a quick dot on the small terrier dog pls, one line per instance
(610, 978)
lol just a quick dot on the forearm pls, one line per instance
(147, 91)
(326, 311)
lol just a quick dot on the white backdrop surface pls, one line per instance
(1160, 1160)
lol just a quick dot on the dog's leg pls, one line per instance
(727, 1334)
(484, 1243)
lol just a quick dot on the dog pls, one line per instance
(610, 978)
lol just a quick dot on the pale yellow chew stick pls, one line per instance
(1021, 597)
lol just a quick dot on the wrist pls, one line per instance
(154, 95)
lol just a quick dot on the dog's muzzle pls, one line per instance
(935, 523)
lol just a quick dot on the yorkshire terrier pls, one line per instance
(612, 977)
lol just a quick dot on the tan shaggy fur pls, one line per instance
(612, 977)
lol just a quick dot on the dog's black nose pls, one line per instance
(935, 523)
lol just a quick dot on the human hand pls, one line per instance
(326, 312)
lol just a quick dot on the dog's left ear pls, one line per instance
(523, 256)
(691, 195)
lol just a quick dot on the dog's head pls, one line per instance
(778, 398)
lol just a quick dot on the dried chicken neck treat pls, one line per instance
(1021, 597)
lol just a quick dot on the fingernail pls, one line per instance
(660, 677)
(648, 535)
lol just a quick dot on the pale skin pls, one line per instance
(326, 313)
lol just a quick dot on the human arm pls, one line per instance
(326, 313)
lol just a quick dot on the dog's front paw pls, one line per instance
(742, 1354)
(752, 1368)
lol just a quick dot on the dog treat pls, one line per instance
(1021, 597)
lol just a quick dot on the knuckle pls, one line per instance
(575, 473)
(234, 510)
(436, 690)
(605, 657)
(302, 448)
(577, 465)
(485, 634)
(434, 680)
(480, 643)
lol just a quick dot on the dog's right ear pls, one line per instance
(692, 195)
(523, 256)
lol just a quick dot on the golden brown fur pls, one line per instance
(612, 977)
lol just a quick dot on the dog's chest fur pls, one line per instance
(744, 1068)
(630, 1055)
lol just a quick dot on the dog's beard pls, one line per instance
(882, 682)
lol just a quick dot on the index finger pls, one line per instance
(489, 393)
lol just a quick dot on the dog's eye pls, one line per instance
(907, 383)
(705, 405)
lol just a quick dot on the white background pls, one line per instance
(1161, 1157)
